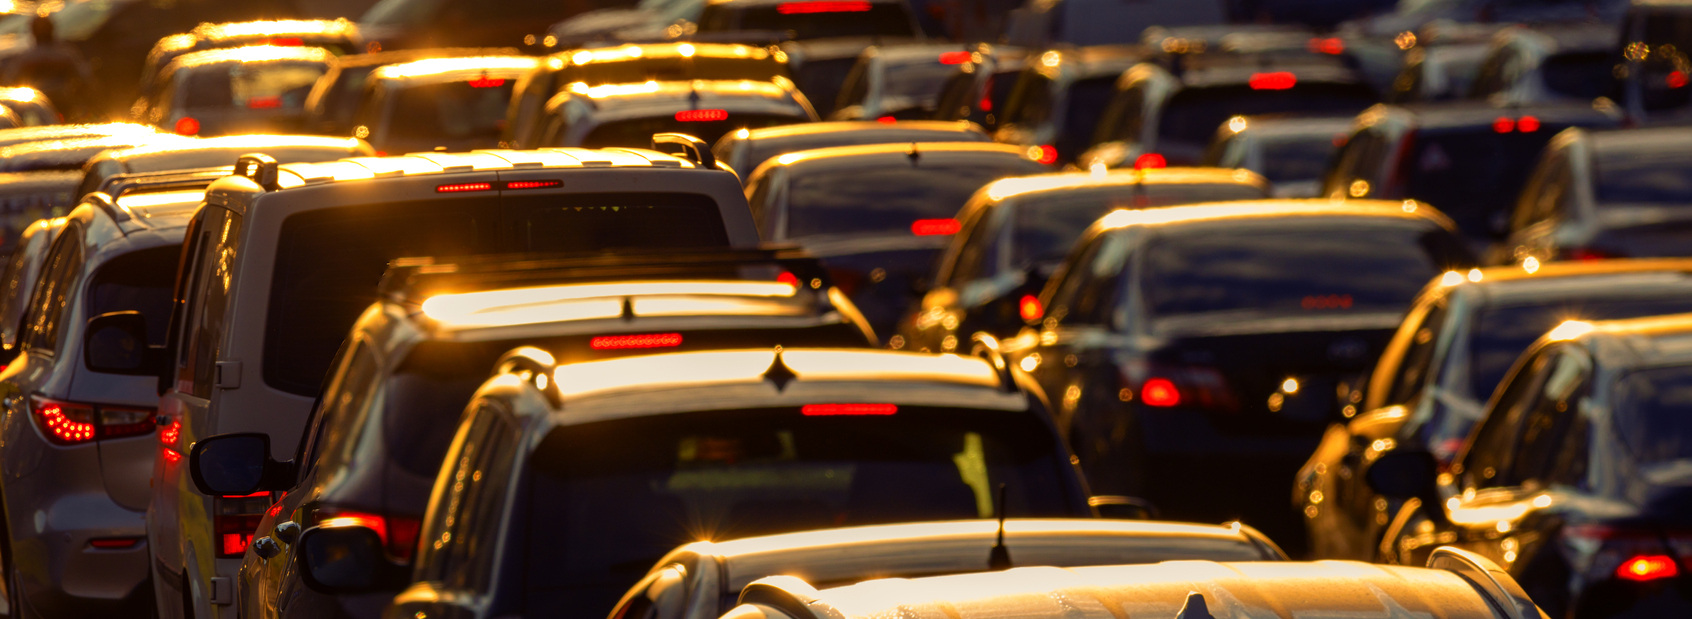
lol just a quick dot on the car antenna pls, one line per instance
(779, 374)
(627, 312)
(999, 559)
(914, 154)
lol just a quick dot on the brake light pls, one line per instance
(1527, 124)
(398, 533)
(1166, 386)
(833, 410)
(1331, 46)
(694, 116)
(234, 519)
(935, 227)
(1044, 153)
(1676, 79)
(954, 57)
(822, 6)
(533, 184)
(1503, 125)
(787, 277)
(1278, 80)
(264, 103)
(1326, 301)
(886, 120)
(1160, 392)
(114, 543)
(645, 340)
(1648, 567)
(1150, 161)
(187, 126)
(486, 82)
(286, 41)
(463, 187)
(1029, 307)
(69, 423)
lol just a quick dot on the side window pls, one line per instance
(1121, 120)
(1349, 161)
(1547, 418)
(1087, 295)
(856, 87)
(1417, 362)
(347, 396)
(1493, 445)
(50, 304)
(458, 543)
(208, 300)
(1544, 195)
(976, 258)
(1030, 102)
(955, 95)
(1489, 79)
(661, 595)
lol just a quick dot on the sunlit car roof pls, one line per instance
(256, 142)
(361, 168)
(277, 27)
(856, 154)
(456, 69)
(912, 127)
(630, 52)
(251, 53)
(1008, 188)
(71, 153)
(60, 132)
(589, 304)
(1270, 209)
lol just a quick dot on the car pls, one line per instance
(820, 66)
(79, 434)
(711, 445)
(1454, 584)
(257, 89)
(1013, 233)
(1548, 63)
(628, 114)
(457, 103)
(23, 266)
(98, 173)
(421, 24)
(28, 197)
(1654, 61)
(31, 106)
(897, 82)
(334, 98)
(316, 238)
(812, 19)
(1158, 116)
(1541, 485)
(1205, 344)
(978, 90)
(1467, 159)
(1058, 99)
(1602, 194)
(20, 135)
(877, 215)
(1433, 379)
(1290, 150)
(1443, 72)
(746, 149)
(718, 571)
(1080, 23)
(338, 36)
(629, 64)
(418, 355)
(73, 153)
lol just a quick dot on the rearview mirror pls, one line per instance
(1117, 507)
(116, 343)
(1403, 474)
(347, 559)
(237, 465)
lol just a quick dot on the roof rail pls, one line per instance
(985, 346)
(104, 202)
(538, 364)
(1485, 576)
(415, 279)
(121, 185)
(790, 594)
(695, 148)
(259, 167)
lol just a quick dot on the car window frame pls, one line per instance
(51, 303)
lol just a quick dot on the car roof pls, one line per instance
(1092, 61)
(1552, 281)
(249, 54)
(752, 3)
(1257, 589)
(864, 154)
(913, 128)
(231, 146)
(363, 168)
(40, 181)
(74, 152)
(1060, 182)
(677, 50)
(912, 52)
(455, 69)
(22, 94)
(589, 305)
(277, 27)
(1655, 141)
(687, 382)
(1565, 37)
(59, 132)
(160, 210)
(1280, 210)
(855, 553)
(1648, 341)
(667, 93)
(1236, 73)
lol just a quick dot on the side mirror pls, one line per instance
(1403, 474)
(347, 559)
(1117, 507)
(237, 465)
(116, 343)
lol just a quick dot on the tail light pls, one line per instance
(1330, 46)
(398, 533)
(1044, 153)
(643, 340)
(1169, 386)
(886, 120)
(1676, 79)
(836, 410)
(264, 103)
(935, 227)
(71, 423)
(1588, 254)
(1626, 553)
(234, 518)
(285, 41)
(486, 82)
(187, 126)
(1150, 161)
(822, 6)
(957, 57)
(1278, 80)
(1029, 307)
(1645, 568)
(692, 116)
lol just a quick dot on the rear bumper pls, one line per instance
(61, 573)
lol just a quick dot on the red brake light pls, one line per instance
(1150, 161)
(1047, 154)
(954, 57)
(644, 340)
(1503, 125)
(234, 519)
(886, 120)
(533, 184)
(1326, 301)
(1648, 567)
(286, 41)
(1279, 80)
(1527, 124)
(1160, 392)
(399, 534)
(1029, 307)
(934, 227)
(1676, 79)
(822, 6)
(187, 126)
(264, 103)
(64, 423)
(114, 543)
(1332, 46)
(463, 187)
(486, 82)
(830, 410)
(693, 116)
(787, 277)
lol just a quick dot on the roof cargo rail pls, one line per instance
(694, 148)
(259, 167)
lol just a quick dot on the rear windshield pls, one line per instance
(917, 80)
(814, 19)
(674, 69)
(1473, 176)
(1254, 271)
(1500, 334)
(1047, 225)
(889, 199)
(139, 281)
(637, 133)
(252, 85)
(1585, 76)
(1297, 158)
(451, 112)
(613, 497)
(1193, 114)
(1650, 414)
(820, 80)
(1633, 178)
(332, 259)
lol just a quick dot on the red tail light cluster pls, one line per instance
(234, 518)
(1331, 46)
(1647, 568)
(935, 227)
(959, 57)
(697, 116)
(822, 6)
(1165, 386)
(286, 41)
(1150, 161)
(70, 423)
(486, 82)
(1630, 554)
(398, 533)
(1029, 307)
(264, 103)
(832, 410)
(1525, 124)
(187, 126)
(1046, 154)
(1278, 80)
(463, 187)
(644, 340)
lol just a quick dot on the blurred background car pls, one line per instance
(746, 149)
(1290, 151)
(258, 89)
(456, 104)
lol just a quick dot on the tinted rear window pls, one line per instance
(332, 259)
(1472, 176)
(615, 496)
(1660, 178)
(1650, 415)
(820, 80)
(1297, 158)
(1194, 114)
(1047, 225)
(139, 281)
(252, 85)
(450, 112)
(813, 20)
(1586, 75)
(637, 133)
(888, 199)
(917, 80)
(1265, 270)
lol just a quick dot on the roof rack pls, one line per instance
(696, 149)
(415, 279)
(173, 180)
(259, 167)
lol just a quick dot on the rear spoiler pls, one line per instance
(411, 280)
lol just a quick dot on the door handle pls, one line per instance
(287, 532)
